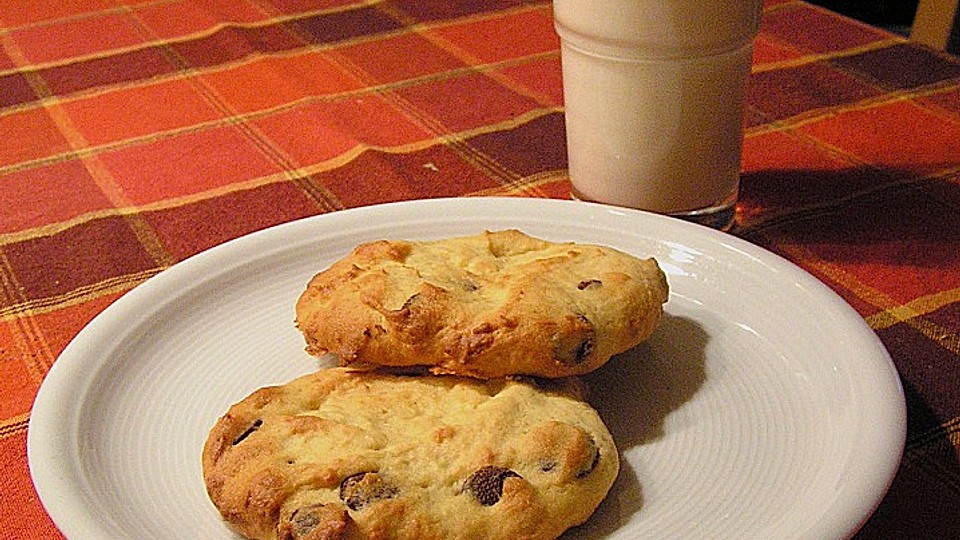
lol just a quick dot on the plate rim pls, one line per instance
(51, 452)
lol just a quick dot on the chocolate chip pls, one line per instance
(486, 484)
(594, 459)
(315, 522)
(361, 489)
(409, 312)
(305, 520)
(577, 345)
(548, 465)
(418, 316)
(587, 283)
(583, 350)
(410, 302)
(564, 450)
(249, 431)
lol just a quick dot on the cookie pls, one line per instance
(486, 306)
(348, 454)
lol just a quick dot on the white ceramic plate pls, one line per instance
(763, 407)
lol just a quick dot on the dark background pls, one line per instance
(895, 15)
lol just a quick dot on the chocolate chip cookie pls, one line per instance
(347, 454)
(486, 306)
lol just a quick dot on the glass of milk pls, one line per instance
(653, 92)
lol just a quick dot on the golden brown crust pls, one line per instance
(492, 305)
(344, 454)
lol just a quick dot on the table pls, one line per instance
(136, 134)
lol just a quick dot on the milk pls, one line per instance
(654, 93)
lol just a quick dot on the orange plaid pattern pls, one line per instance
(136, 134)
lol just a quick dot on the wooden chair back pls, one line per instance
(936, 24)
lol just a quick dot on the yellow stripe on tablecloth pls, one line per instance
(915, 308)
(325, 200)
(34, 349)
(232, 119)
(38, 306)
(887, 97)
(938, 334)
(479, 160)
(189, 71)
(335, 162)
(821, 57)
(99, 173)
(528, 184)
(924, 455)
(156, 41)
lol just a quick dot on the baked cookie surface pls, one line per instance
(360, 454)
(491, 305)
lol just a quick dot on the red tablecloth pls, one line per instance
(135, 134)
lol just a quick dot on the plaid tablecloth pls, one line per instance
(134, 134)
